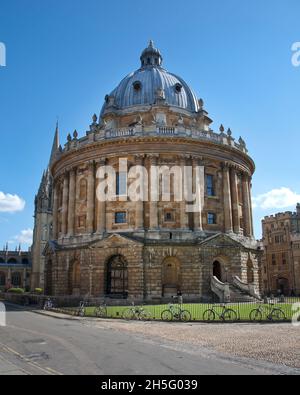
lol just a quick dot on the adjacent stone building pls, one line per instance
(148, 249)
(15, 269)
(281, 260)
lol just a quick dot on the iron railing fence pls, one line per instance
(274, 309)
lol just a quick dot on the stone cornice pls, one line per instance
(175, 145)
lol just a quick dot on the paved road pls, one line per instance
(41, 345)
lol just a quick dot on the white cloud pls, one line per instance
(25, 237)
(277, 199)
(10, 203)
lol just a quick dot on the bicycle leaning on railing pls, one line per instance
(270, 311)
(136, 313)
(226, 314)
(176, 313)
(48, 305)
(81, 311)
(101, 311)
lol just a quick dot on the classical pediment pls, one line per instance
(221, 240)
(115, 240)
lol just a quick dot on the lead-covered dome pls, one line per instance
(150, 85)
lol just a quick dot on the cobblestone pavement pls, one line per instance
(274, 343)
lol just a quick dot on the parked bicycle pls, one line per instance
(100, 311)
(81, 312)
(176, 313)
(270, 311)
(136, 313)
(48, 305)
(226, 314)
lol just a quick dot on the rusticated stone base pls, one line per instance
(148, 270)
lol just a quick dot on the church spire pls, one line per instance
(55, 145)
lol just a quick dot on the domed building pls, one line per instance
(148, 248)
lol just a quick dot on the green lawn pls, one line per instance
(243, 310)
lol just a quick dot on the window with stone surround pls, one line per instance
(16, 279)
(273, 259)
(82, 221)
(121, 184)
(211, 219)
(121, 217)
(83, 189)
(210, 185)
(169, 216)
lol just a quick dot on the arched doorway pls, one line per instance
(117, 276)
(250, 272)
(283, 286)
(217, 270)
(171, 276)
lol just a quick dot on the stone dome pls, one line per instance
(151, 84)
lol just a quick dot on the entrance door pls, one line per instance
(217, 270)
(117, 276)
(171, 272)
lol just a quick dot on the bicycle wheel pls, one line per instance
(255, 316)
(185, 316)
(145, 315)
(82, 312)
(128, 314)
(230, 315)
(100, 312)
(277, 315)
(167, 316)
(209, 315)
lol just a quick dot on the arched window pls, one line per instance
(12, 261)
(117, 276)
(16, 279)
(25, 261)
(2, 279)
(83, 189)
(2, 260)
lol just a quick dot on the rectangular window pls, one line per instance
(284, 258)
(169, 216)
(120, 217)
(121, 184)
(211, 219)
(210, 191)
(273, 259)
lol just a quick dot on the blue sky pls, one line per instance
(64, 56)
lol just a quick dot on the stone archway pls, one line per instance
(117, 276)
(171, 282)
(217, 270)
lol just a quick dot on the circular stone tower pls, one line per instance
(193, 234)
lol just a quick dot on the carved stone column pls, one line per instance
(139, 210)
(153, 205)
(235, 200)
(91, 197)
(55, 211)
(72, 200)
(65, 204)
(227, 199)
(197, 187)
(184, 219)
(101, 205)
(246, 205)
